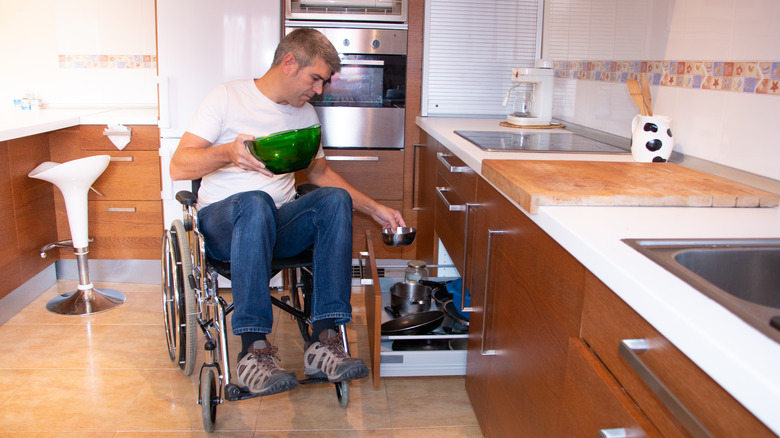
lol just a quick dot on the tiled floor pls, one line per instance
(109, 375)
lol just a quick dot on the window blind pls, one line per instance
(470, 48)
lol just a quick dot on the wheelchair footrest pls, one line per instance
(310, 380)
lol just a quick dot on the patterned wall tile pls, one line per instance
(108, 61)
(761, 77)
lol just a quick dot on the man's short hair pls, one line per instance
(308, 45)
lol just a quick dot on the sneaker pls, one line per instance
(327, 359)
(259, 374)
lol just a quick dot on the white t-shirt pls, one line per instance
(238, 107)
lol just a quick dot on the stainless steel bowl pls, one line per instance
(399, 236)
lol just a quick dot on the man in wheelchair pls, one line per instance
(248, 216)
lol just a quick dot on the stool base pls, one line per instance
(86, 302)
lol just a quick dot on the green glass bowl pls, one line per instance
(286, 151)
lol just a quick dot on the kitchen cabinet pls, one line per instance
(125, 218)
(26, 211)
(423, 195)
(700, 403)
(529, 298)
(545, 339)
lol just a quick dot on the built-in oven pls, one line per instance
(363, 106)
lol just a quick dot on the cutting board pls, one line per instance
(531, 183)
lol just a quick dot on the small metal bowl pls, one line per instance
(399, 236)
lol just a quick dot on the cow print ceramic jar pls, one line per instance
(651, 138)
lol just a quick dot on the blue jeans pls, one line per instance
(249, 230)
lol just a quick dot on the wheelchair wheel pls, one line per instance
(209, 400)
(179, 307)
(342, 393)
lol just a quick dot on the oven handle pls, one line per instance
(378, 62)
(350, 158)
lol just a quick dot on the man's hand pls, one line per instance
(241, 157)
(388, 217)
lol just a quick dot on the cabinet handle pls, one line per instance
(488, 258)
(453, 169)
(122, 209)
(466, 262)
(363, 281)
(122, 159)
(414, 175)
(450, 207)
(621, 433)
(630, 350)
(350, 158)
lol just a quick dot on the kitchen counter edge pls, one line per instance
(23, 123)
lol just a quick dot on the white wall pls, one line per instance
(34, 33)
(736, 129)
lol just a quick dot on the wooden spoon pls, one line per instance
(636, 93)
(648, 100)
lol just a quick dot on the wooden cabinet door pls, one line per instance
(593, 401)
(424, 196)
(535, 299)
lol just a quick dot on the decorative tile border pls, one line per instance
(741, 77)
(108, 61)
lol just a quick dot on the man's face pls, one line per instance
(307, 81)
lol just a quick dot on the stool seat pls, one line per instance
(74, 179)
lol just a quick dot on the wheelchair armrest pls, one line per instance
(186, 197)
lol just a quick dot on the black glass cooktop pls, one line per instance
(538, 142)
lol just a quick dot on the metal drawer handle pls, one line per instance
(488, 258)
(466, 262)
(350, 158)
(450, 207)
(621, 433)
(362, 62)
(122, 159)
(122, 209)
(364, 281)
(630, 350)
(453, 169)
(414, 176)
(117, 133)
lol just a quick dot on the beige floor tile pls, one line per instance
(68, 400)
(439, 432)
(429, 402)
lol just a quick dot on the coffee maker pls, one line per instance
(533, 98)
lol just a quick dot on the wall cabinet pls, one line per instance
(125, 219)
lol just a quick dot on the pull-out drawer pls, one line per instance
(678, 397)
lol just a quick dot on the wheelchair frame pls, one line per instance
(191, 300)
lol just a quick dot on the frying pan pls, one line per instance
(412, 324)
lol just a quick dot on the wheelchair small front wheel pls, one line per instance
(209, 399)
(342, 393)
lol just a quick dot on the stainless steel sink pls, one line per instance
(743, 275)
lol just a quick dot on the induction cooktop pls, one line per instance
(538, 142)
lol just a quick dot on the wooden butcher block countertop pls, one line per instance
(531, 183)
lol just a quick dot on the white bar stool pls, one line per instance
(74, 179)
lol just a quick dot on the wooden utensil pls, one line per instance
(636, 93)
(648, 100)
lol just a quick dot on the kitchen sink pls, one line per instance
(742, 275)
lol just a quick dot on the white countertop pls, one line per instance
(741, 359)
(22, 123)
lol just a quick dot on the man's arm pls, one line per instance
(321, 174)
(196, 157)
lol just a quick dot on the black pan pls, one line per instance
(440, 293)
(412, 324)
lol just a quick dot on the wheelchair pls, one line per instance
(191, 303)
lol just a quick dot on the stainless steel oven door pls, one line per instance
(356, 127)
